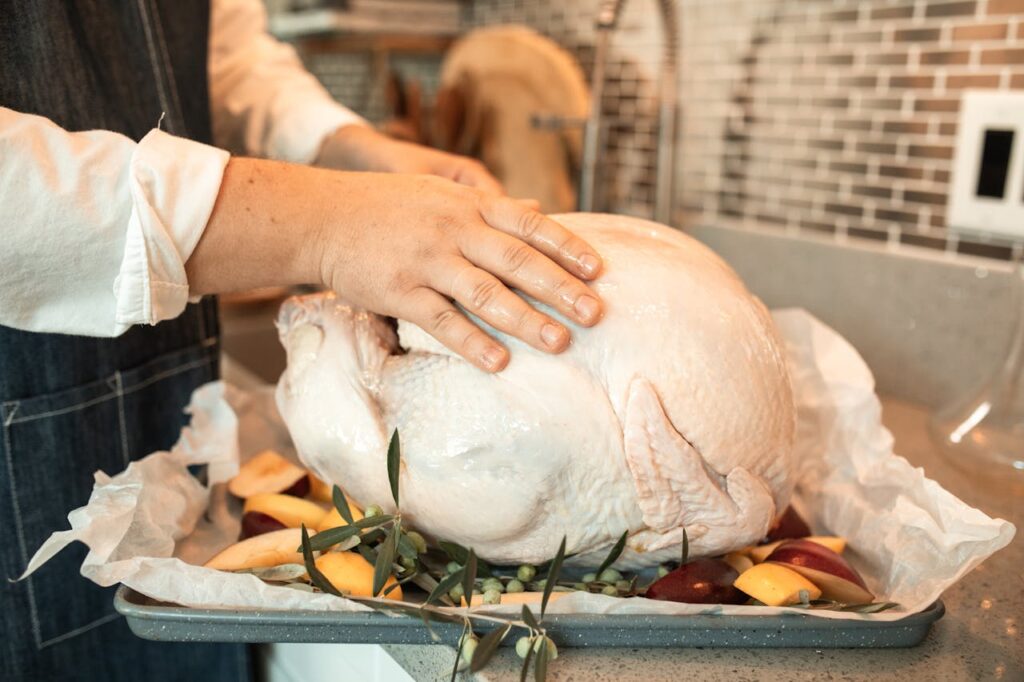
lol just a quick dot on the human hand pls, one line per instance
(360, 148)
(413, 247)
(409, 246)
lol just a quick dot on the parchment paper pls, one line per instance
(154, 524)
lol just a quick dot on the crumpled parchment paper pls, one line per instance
(154, 524)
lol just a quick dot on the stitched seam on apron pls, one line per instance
(121, 421)
(79, 630)
(158, 30)
(19, 529)
(172, 126)
(95, 401)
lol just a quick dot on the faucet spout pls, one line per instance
(608, 17)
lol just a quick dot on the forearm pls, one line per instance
(263, 101)
(266, 223)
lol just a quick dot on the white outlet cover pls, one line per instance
(969, 213)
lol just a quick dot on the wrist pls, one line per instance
(353, 147)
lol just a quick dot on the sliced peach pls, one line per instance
(268, 472)
(269, 549)
(789, 525)
(835, 543)
(352, 575)
(320, 491)
(759, 553)
(519, 598)
(333, 518)
(826, 569)
(775, 585)
(738, 560)
(258, 523)
(291, 511)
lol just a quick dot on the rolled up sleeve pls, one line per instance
(264, 102)
(97, 228)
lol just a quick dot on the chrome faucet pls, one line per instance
(607, 20)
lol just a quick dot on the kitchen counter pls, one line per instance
(979, 638)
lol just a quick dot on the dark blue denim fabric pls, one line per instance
(71, 405)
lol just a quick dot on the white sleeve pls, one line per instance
(95, 228)
(264, 102)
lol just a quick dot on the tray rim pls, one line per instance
(124, 605)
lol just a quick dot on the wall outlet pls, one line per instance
(987, 191)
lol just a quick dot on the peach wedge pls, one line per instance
(775, 585)
(291, 511)
(352, 575)
(269, 472)
(268, 549)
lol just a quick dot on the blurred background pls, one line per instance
(830, 150)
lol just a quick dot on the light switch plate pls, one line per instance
(990, 121)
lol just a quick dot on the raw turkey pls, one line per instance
(674, 412)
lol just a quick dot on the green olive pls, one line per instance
(515, 586)
(373, 510)
(610, 590)
(457, 593)
(609, 575)
(526, 573)
(589, 577)
(492, 597)
(493, 584)
(552, 649)
(452, 567)
(522, 647)
(418, 541)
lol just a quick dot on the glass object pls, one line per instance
(985, 433)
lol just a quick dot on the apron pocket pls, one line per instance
(52, 446)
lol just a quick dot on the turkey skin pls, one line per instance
(674, 412)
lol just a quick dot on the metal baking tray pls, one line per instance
(154, 620)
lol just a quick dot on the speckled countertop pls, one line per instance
(980, 638)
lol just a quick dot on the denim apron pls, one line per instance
(70, 406)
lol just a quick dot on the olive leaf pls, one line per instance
(341, 504)
(613, 555)
(526, 661)
(332, 536)
(318, 578)
(529, 618)
(386, 553)
(444, 586)
(469, 576)
(460, 554)
(406, 548)
(540, 666)
(281, 573)
(553, 571)
(870, 608)
(395, 585)
(488, 645)
(394, 463)
(686, 548)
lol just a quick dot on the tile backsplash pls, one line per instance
(832, 118)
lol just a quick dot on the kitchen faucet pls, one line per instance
(607, 20)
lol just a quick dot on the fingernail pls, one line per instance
(493, 357)
(587, 308)
(553, 335)
(590, 264)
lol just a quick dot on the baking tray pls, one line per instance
(168, 622)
